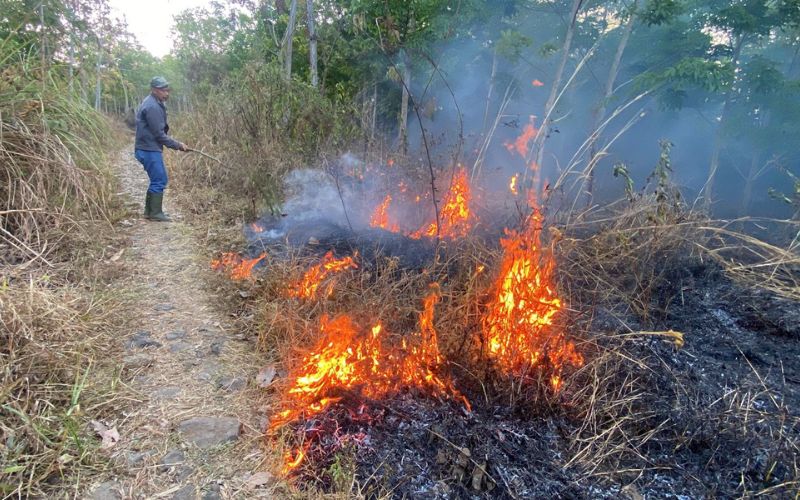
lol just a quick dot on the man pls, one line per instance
(151, 137)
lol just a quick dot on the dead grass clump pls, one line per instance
(56, 315)
(52, 150)
(56, 337)
(643, 407)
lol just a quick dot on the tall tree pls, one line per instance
(288, 36)
(312, 43)
(629, 16)
(555, 88)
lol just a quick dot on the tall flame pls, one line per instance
(380, 217)
(512, 186)
(522, 143)
(237, 267)
(455, 216)
(348, 360)
(518, 324)
(307, 287)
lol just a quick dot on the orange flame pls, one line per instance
(455, 215)
(350, 360)
(235, 266)
(307, 287)
(290, 462)
(256, 228)
(513, 185)
(517, 326)
(380, 217)
(522, 143)
(537, 83)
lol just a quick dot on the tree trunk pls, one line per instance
(544, 128)
(98, 82)
(374, 111)
(402, 137)
(312, 43)
(127, 99)
(600, 111)
(719, 133)
(752, 174)
(287, 41)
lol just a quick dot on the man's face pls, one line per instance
(161, 94)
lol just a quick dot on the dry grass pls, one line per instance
(56, 314)
(260, 127)
(57, 375)
(629, 399)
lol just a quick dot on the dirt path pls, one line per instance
(193, 430)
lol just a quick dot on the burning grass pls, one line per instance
(235, 266)
(614, 322)
(627, 333)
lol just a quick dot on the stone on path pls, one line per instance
(180, 346)
(138, 360)
(110, 490)
(171, 459)
(168, 392)
(188, 492)
(216, 347)
(205, 432)
(135, 458)
(141, 340)
(231, 384)
(177, 334)
(208, 371)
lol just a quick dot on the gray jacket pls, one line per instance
(152, 127)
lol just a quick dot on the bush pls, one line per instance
(260, 126)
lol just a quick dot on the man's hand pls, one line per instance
(184, 147)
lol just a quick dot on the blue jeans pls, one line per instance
(153, 163)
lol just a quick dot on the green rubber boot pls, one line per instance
(148, 201)
(156, 212)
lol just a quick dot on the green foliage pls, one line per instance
(711, 76)
(762, 76)
(621, 170)
(748, 16)
(512, 44)
(792, 197)
(657, 12)
(666, 195)
(689, 74)
(342, 471)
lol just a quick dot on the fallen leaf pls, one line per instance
(110, 436)
(265, 376)
(117, 255)
(258, 479)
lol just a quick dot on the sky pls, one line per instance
(151, 20)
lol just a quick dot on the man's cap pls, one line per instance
(159, 82)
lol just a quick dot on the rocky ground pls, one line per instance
(192, 430)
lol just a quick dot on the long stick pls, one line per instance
(204, 154)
